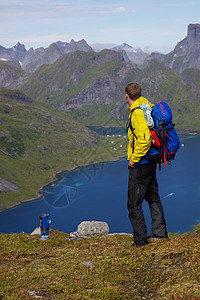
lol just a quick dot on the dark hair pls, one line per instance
(133, 90)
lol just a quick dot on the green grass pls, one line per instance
(54, 269)
(97, 115)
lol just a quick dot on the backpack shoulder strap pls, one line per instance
(129, 125)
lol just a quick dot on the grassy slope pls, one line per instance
(77, 73)
(54, 269)
(68, 76)
(36, 142)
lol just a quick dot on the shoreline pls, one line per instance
(57, 176)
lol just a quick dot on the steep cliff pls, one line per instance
(185, 55)
(10, 76)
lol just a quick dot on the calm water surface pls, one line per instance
(99, 192)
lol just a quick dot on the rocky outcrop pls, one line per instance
(14, 95)
(7, 186)
(13, 63)
(10, 76)
(90, 228)
(80, 45)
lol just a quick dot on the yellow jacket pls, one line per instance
(142, 138)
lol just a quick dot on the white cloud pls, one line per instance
(30, 9)
(120, 10)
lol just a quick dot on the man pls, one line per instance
(142, 183)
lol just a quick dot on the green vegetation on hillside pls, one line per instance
(68, 76)
(99, 267)
(162, 83)
(37, 142)
(91, 85)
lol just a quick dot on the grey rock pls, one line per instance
(93, 227)
(80, 45)
(10, 76)
(74, 234)
(87, 263)
(34, 294)
(37, 230)
(7, 186)
(13, 63)
(120, 233)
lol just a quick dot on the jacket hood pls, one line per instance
(139, 102)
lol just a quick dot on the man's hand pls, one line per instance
(131, 163)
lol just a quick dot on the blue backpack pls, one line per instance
(165, 140)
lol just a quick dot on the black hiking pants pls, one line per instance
(142, 184)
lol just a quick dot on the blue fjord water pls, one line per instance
(99, 192)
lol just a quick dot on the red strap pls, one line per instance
(171, 153)
(164, 155)
(162, 108)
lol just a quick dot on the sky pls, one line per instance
(152, 25)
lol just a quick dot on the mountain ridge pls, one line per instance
(91, 84)
(186, 53)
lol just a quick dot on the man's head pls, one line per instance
(133, 92)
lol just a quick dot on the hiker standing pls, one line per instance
(142, 182)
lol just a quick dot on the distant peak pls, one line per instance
(127, 46)
(194, 30)
(20, 47)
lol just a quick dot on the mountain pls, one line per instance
(136, 55)
(185, 55)
(90, 86)
(30, 60)
(78, 80)
(183, 95)
(17, 52)
(73, 46)
(80, 45)
(40, 56)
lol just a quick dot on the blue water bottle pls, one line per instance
(44, 226)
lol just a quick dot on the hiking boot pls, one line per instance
(139, 245)
(156, 237)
